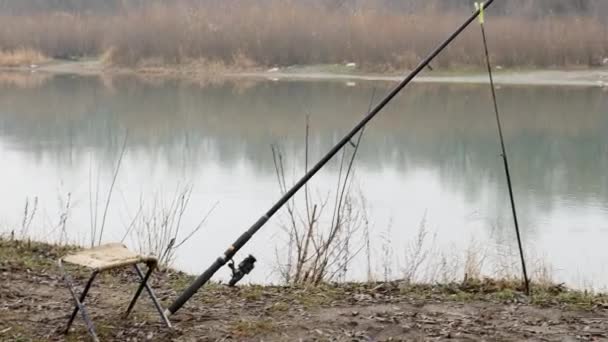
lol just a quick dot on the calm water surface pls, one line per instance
(433, 155)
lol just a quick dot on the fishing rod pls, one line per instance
(246, 236)
(502, 146)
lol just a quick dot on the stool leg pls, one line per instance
(79, 302)
(82, 296)
(139, 289)
(159, 308)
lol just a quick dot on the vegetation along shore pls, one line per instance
(233, 35)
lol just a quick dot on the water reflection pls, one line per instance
(440, 137)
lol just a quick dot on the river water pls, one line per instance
(431, 160)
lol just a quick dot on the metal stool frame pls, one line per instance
(79, 301)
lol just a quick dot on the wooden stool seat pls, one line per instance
(105, 257)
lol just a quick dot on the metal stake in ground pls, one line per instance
(502, 146)
(243, 239)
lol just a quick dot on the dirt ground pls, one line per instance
(35, 305)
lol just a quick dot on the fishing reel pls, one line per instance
(244, 268)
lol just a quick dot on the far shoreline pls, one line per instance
(580, 77)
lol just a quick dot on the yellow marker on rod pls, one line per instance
(479, 6)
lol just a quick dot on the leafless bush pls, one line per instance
(57, 231)
(445, 269)
(387, 253)
(417, 253)
(321, 242)
(542, 272)
(475, 256)
(65, 205)
(29, 211)
(367, 241)
(157, 227)
(506, 264)
(428, 262)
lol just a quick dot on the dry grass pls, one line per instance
(21, 57)
(289, 35)
(280, 33)
(426, 262)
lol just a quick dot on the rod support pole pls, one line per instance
(504, 153)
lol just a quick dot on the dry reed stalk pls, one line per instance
(21, 57)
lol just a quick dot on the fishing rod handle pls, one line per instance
(219, 262)
(191, 290)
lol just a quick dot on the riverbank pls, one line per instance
(202, 72)
(34, 305)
